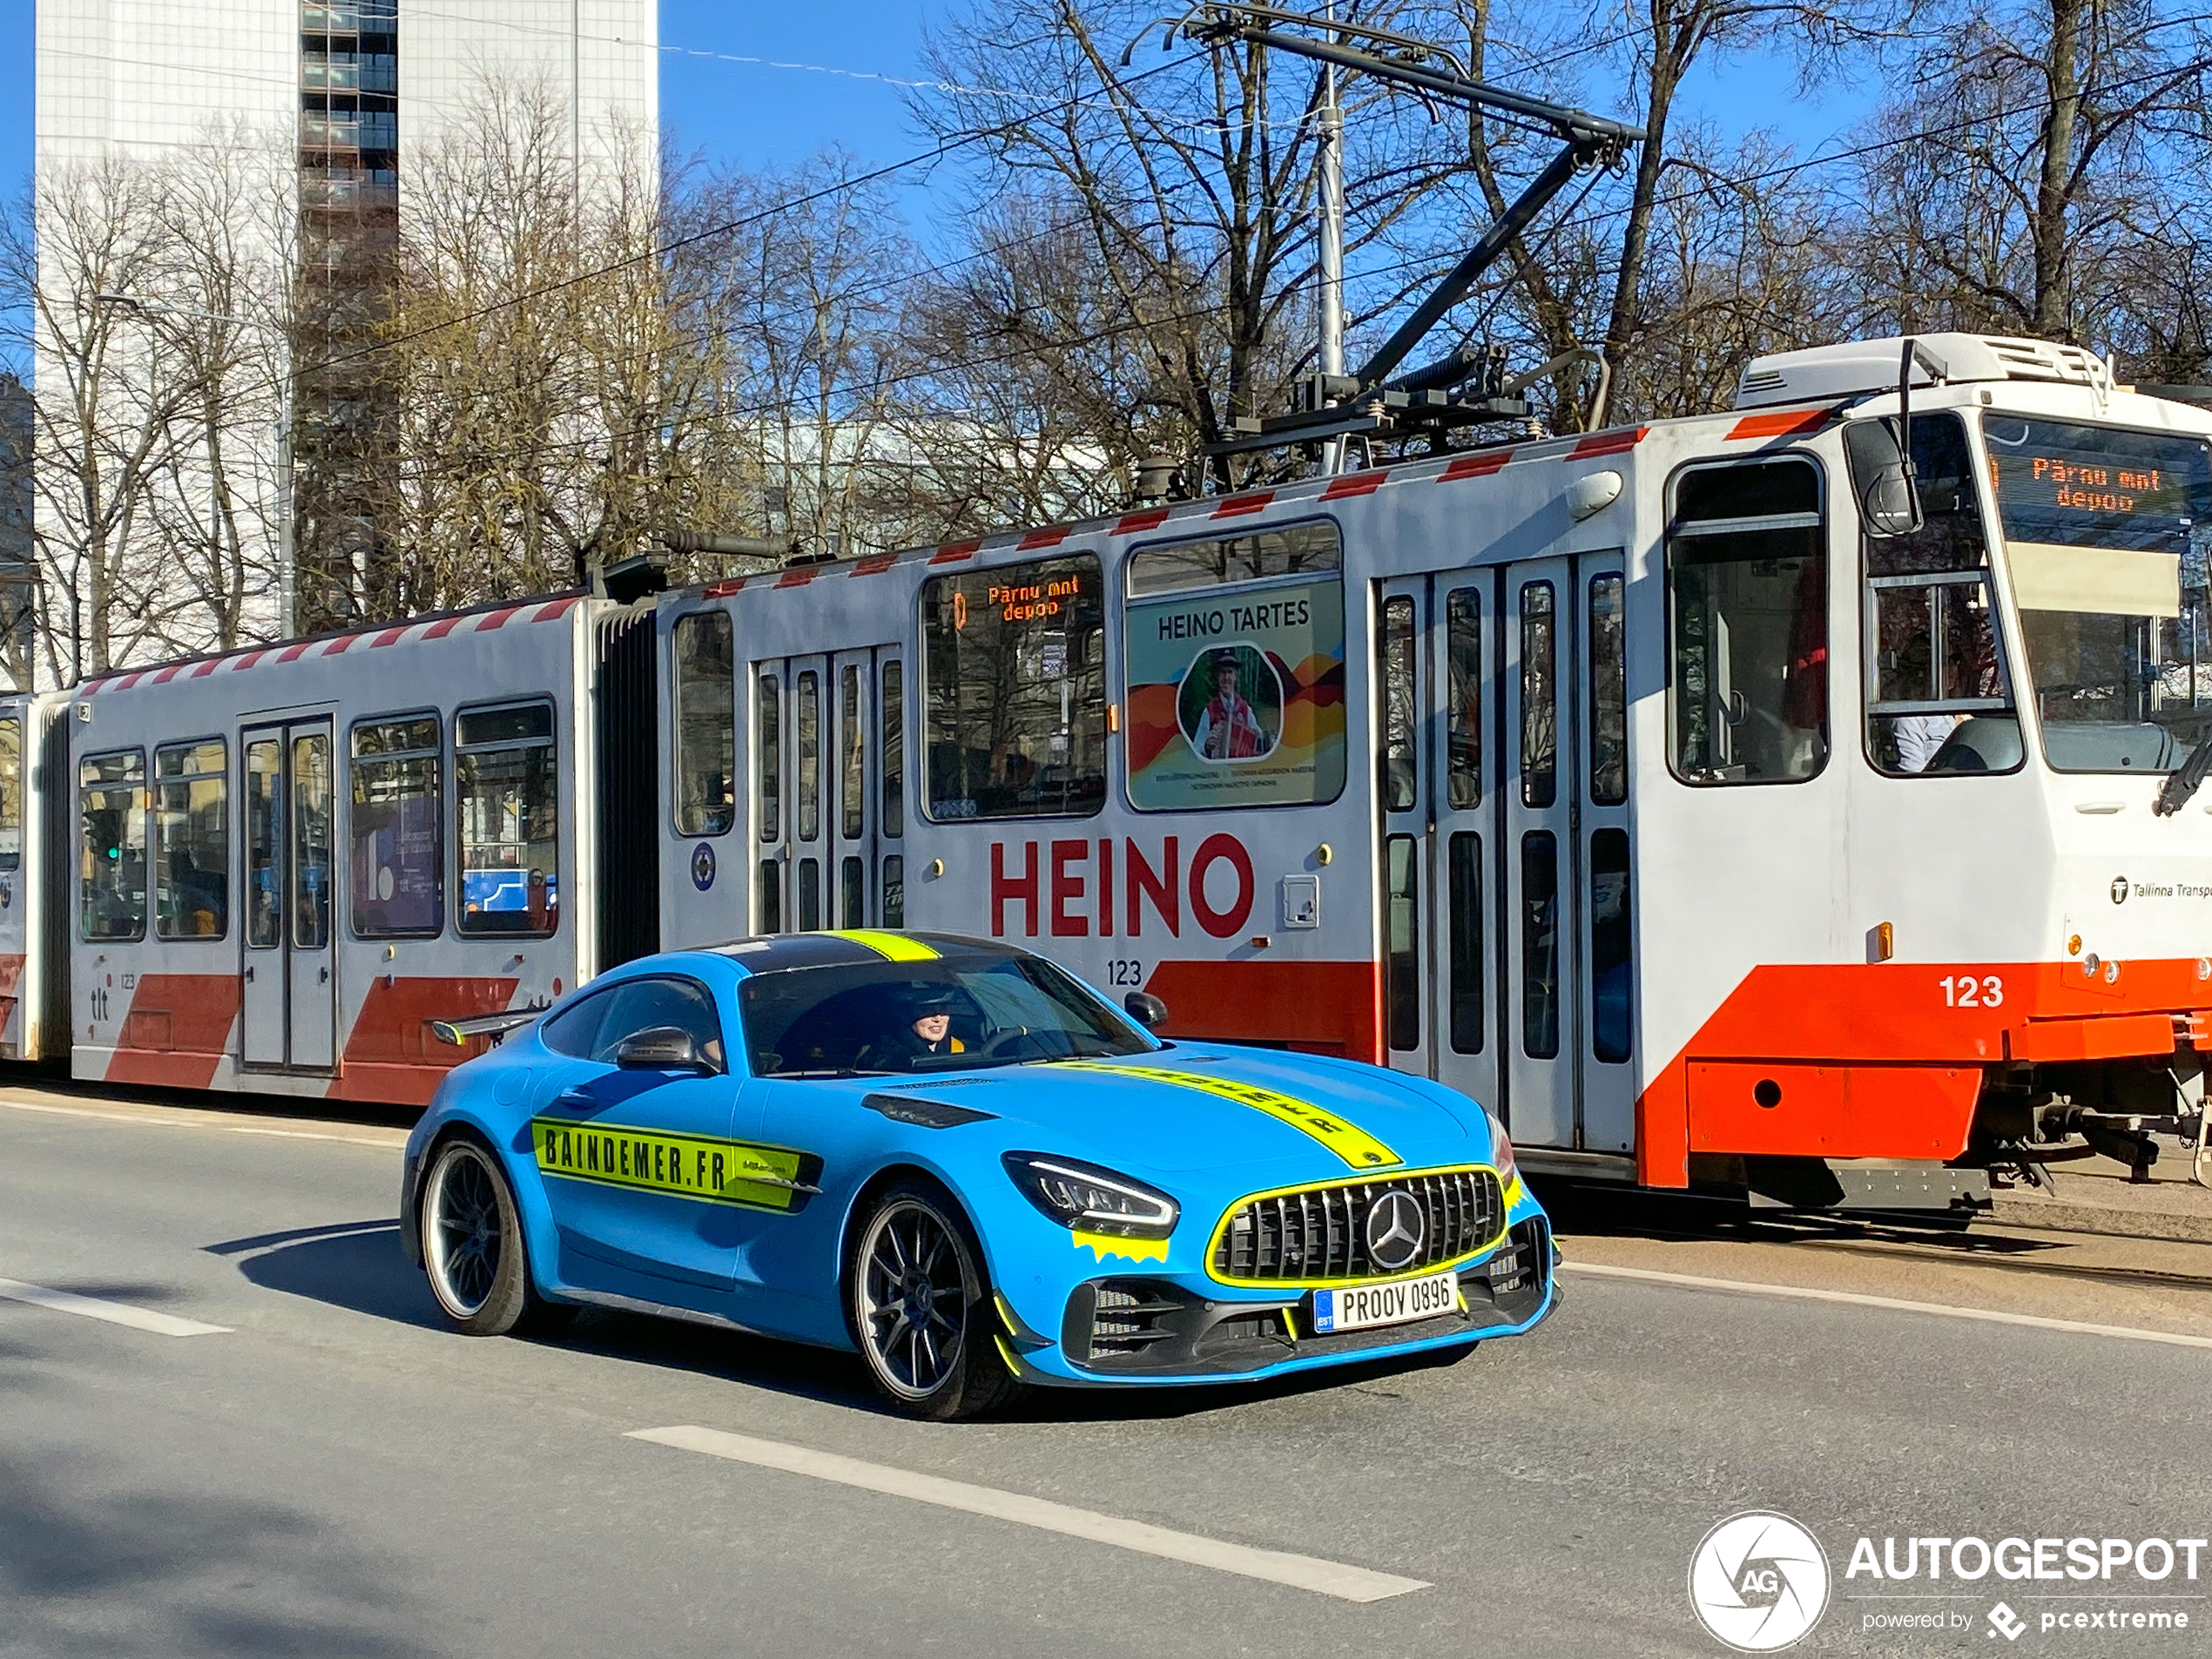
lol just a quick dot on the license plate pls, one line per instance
(1396, 1303)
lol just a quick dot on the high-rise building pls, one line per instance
(342, 92)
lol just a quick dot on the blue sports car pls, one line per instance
(957, 1158)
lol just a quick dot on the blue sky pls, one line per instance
(758, 115)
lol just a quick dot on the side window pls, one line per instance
(575, 1030)
(641, 1004)
(1747, 624)
(891, 711)
(507, 803)
(1935, 670)
(398, 850)
(705, 694)
(10, 793)
(111, 846)
(1234, 671)
(1013, 690)
(192, 840)
(1397, 751)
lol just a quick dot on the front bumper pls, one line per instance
(1130, 1327)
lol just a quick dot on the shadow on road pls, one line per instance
(356, 1264)
(89, 1567)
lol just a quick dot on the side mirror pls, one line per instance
(1889, 496)
(661, 1047)
(1146, 1009)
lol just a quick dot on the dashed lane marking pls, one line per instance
(1275, 1566)
(1858, 1299)
(92, 1307)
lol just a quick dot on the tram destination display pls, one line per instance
(2078, 485)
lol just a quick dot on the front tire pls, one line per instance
(922, 1308)
(473, 1248)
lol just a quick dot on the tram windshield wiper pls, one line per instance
(2185, 779)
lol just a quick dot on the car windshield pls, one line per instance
(2106, 533)
(942, 1015)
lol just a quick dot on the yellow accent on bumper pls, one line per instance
(1138, 1250)
(1358, 1149)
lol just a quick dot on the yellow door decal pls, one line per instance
(682, 1166)
(1358, 1149)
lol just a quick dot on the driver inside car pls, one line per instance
(925, 1029)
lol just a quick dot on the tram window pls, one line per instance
(1464, 854)
(264, 839)
(1540, 945)
(894, 891)
(506, 776)
(705, 690)
(396, 860)
(1747, 590)
(810, 756)
(1463, 663)
(10, 794)
(1234, 671)
(1608, 694)
(1934, 666)
(1401, 900)
(768, 747)
(851, 786)
(111, 846)
(1216, 560)
(891, 711)
(809, 894)
(312, 795)
(191, 840)
(1539, 696)
(772, 896)
(1611, 944)
(1015, 691)
(851, 895)
(1398, 751)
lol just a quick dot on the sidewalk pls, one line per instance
(2097, 1196)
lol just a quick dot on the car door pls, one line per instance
(627, 1152)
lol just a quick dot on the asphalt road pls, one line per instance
(334, 1474)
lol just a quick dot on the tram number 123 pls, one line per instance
(1967, 992)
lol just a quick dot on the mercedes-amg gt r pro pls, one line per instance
(957, 1158)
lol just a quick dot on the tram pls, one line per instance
(1783, 798)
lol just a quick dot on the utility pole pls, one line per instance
(1329, 302)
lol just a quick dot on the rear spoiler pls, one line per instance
(458, 1032)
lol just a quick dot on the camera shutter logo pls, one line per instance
(1758, 1581)
(1396, 1228)
(703, 866)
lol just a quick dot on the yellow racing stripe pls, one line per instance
(1358, 1149)
(893, 947)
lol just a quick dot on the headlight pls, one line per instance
(1089, 1199)
(1500, 1151)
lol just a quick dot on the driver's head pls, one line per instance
(929, 1009)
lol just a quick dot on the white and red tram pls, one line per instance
(1630, 781)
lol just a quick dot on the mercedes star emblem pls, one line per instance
(1396, 1227)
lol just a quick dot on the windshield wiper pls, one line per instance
(2185, 779)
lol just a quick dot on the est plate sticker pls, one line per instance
(1393, 1304)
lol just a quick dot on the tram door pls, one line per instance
(289, 994)
(827, 805)
(1505, 853)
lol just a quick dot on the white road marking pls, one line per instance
(1299, 1572)
(1857, 1298)
(199, 1119)
(162, 1324)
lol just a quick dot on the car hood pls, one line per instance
(1199, 1107)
